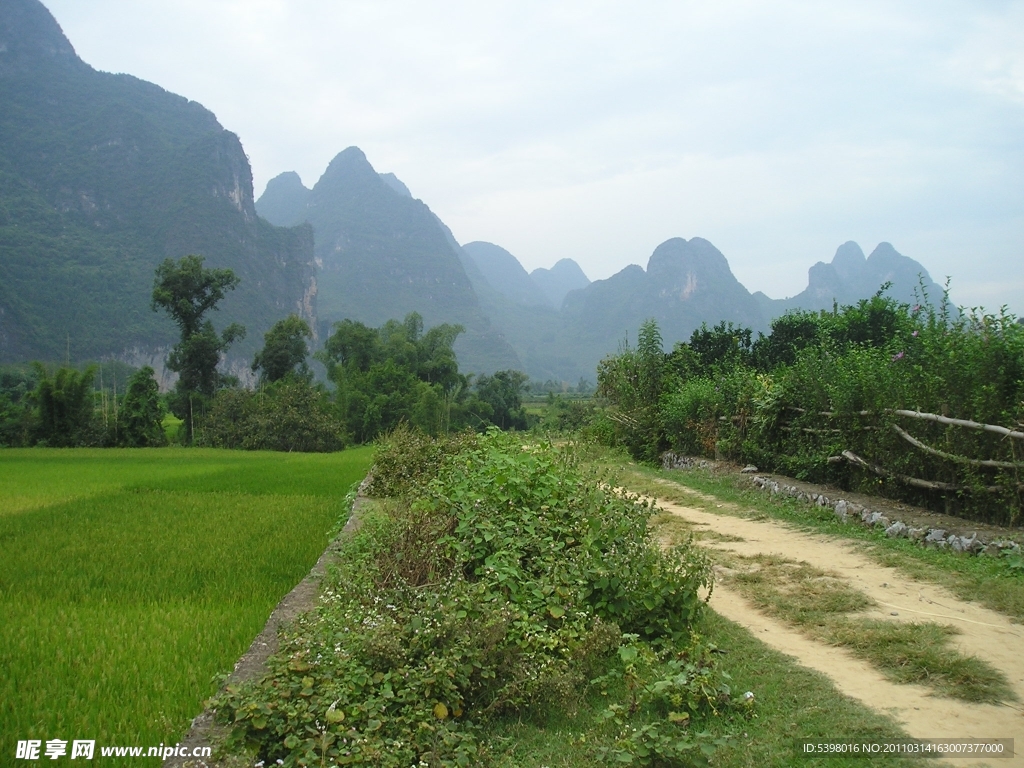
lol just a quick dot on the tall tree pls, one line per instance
(141, 416)
(503, 393)
(394, 373)
(284, 350)
(187, 291)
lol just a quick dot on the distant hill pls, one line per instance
(381, 254)
(556, 282)
(506, 275)
(850, 277)
(686, 283)
(101, 178)
(284, 201)
(531, 329)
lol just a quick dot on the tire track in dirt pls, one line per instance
(984, 633)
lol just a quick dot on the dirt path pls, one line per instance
(985, 633)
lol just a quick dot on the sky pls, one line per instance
(596, 130)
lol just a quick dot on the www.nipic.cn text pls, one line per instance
(85, 749)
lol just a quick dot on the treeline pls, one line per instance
(64, 408)
(923, 403)
(382, 377)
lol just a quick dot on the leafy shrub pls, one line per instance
(832, 384)
(500, 583)
(632, 382)
(407, 457)
(17, 421)
(289, 415)
(713, 416)
(140, 420)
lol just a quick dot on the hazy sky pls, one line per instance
(596, 130)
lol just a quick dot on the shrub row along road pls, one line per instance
(983, 633)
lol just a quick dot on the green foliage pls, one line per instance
(65, 407)
(502, 393)
(790, 334)
(394, 373)
(397, 373)
(826, 383)
(497, 584)
(723, 346)
(187, 291)
(566, 414)
(632, 382)
(17, 384)
(140, 419)
(406, 456)
(284, 350)
(292, 414)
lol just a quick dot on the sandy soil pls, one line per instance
(985, 633)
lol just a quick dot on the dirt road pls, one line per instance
(984, 633)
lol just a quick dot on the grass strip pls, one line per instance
(821, 603)
(920, 652)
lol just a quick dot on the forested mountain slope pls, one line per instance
(381, 254)
(104, 176)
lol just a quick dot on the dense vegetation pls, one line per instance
(131, 578)
(399, 373)
(495, 580)
(923, 403)
(73, 407)
(383, 377)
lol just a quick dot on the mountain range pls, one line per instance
(381, 253)
(103, 176)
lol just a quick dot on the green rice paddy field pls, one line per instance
(130, 578)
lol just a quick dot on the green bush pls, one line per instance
(824, 384)
(407, 456)
(140, 419)
(498, 584)
(290, 415)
